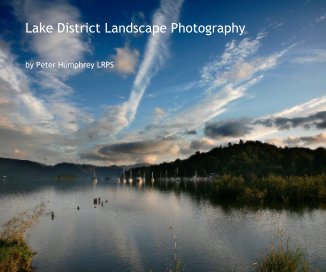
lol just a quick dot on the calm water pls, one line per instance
(134, 230)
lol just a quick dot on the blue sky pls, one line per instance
(169, 95)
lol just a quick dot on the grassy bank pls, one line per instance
(15, 255)
(292, 189)
(282, 257)
(284, 260)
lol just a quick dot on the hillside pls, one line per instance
(252, 157)
(23, 168)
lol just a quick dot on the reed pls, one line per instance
(282, 257)
(15, 254)
(278, 189)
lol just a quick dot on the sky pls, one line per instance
(168, 95)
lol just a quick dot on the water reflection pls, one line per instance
(131, 231)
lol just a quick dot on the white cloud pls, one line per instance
(302, 110)
(52, 118)
(209, 107)
(20, 107)
(242, 66)
(232, 55)
(52, 47)
(159, 113)
(125, 60)
(60, 114)
(120, 116)
(155, 53)
(42, 125)
(315, 56)
(321, 18)
(227, 79)
(113, 120)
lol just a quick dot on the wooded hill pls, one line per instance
(246, 159)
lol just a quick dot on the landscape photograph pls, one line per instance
(163, 135)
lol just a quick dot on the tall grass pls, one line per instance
(282, 257)
(292, 189)
(16, 227)
(15, 255)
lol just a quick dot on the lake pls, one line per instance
(137, 228)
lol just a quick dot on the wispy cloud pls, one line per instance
(315, 56)
(316, 120)
(19, 108)
(43, 122)
(233, 55)
(304, 119)
(30, 123)
(226, 79)
(243, 126)
(321, 18)
(308, 108)
(113, 119)
(155, 54)
(159, 114)
(54, 47)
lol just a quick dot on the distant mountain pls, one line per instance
(249, 158)
(25, 168)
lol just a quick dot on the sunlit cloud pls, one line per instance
(319, 140)
(145, 151)
(125, 60)
(313, 141)
(56, 47)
